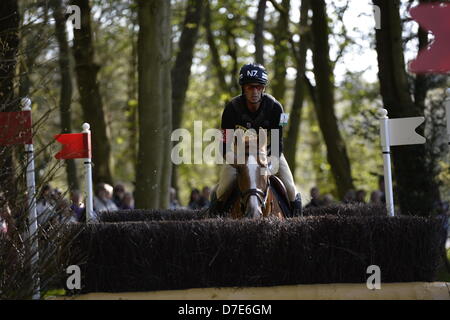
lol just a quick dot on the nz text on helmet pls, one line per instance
(253, 73)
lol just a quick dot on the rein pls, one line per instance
(261, 195)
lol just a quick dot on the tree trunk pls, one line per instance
(153, 70)
(291, 140)
(336, 150)
(27, 59)
(417, 190)
(299, 94)
(66, 85)
(215, 56)
(9, 44)
(322, 178)
(232, 49)
(259, 32)
(31, 46)
(166, 176)
(281, 39)
(9, 36)
(132, 105)
(181, 71)
(90, 98)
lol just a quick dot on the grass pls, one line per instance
(54, 293)
(443, 274)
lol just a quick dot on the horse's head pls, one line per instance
(253, 178)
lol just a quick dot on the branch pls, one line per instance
(311, 89)
(347, 40)
(214, 50)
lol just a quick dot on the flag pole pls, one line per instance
(447, 113)
(88, 166)
(33, 223)
(386, 149)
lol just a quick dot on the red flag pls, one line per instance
(15, 128)
(75, 145)
(435, 58)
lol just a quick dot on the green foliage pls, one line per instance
(357, 108)
(169, 255)
(204, 104)
(115, 35)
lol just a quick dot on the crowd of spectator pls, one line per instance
(197, 200)
(53, 205)
(352, 196)
(377, 197)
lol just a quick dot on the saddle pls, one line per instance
(281, 194)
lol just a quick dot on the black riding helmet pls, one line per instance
(252, 73)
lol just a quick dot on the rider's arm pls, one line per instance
(275, 123)
(228, 122)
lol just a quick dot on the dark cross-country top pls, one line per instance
(237, 116)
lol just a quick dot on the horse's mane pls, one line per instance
(261, 150)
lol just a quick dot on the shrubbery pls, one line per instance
(157, 255)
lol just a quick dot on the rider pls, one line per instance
(254, 109)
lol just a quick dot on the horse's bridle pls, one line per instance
(261, 195)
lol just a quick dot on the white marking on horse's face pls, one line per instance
(252, 166)
(253, 210)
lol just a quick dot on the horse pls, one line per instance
(254, 194)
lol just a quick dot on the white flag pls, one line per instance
(402, 131)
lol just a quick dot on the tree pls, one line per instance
(9, 37)
(66, 85)
(299, 54)
(259, 32)
(215, 56)
(90, 99)
(281, 36)
(324, 100)
(154, 90)
(9, 44)
(131, 105)
(32, 45)
(230, 39)
(417, 190)
(183, 62)
(181, 71)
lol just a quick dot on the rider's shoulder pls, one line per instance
(236, 101)
(275, 104)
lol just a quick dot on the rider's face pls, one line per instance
(253, 92)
